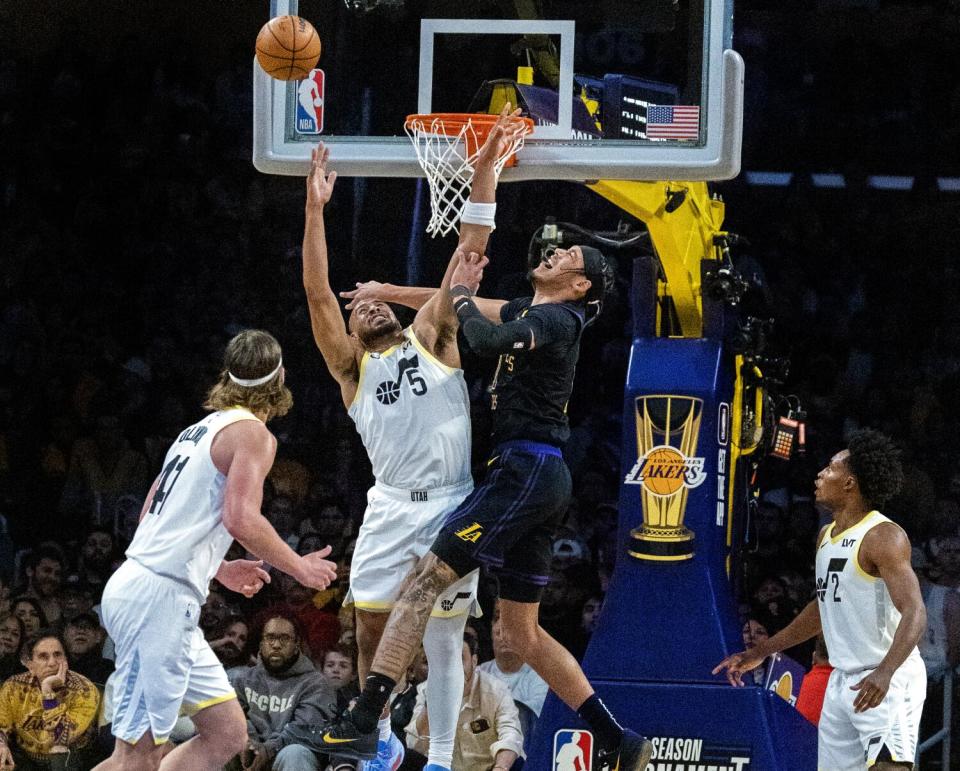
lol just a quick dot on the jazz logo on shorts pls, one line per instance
(572, 750)
(310, 103)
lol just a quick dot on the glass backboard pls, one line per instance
(618, 89)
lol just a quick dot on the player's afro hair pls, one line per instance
(875, 462)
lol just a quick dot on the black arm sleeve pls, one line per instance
(489, 339)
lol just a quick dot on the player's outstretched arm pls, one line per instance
(408, 296)
(477, 220)
(329, 332)
(245, 451)
(802, 628)
(411, 297)
(886, 548)
(436, 322)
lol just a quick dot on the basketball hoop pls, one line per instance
(447, 145)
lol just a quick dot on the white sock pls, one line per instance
(443, 643)
(383, 726)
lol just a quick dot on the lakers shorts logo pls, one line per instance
(471, 533)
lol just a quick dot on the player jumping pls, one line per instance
(405, 392)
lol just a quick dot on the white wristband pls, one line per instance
(479, 214)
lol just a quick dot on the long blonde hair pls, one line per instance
(250, 355)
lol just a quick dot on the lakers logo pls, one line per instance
(471, 533)
(664, 470)
(784, 687)
(667, 468)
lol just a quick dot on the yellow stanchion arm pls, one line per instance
(682, 220)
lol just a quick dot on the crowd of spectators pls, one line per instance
(137, 239)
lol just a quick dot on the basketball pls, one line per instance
(288, 47)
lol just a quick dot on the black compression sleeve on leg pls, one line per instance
(608, 731)
(376, 691)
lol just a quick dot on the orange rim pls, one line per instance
(451, 124)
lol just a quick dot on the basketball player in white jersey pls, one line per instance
(405, 392)
(208, 494)
(871, 612)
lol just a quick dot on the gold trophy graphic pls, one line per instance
(666, 470)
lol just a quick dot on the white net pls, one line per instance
(447, 148)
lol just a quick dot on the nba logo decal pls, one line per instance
(310, 103)
(572, 750)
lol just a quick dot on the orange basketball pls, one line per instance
(288, 47)
(663, 472)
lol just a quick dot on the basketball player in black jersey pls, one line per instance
(508, 521)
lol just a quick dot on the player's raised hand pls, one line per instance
(469, 271)
(246, 577)
(6, 757)
(871, 690)
(319, 182)
(735, 665)
(366, 290)
(503, 133)
(315, 571)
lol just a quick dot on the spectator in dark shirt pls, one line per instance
(75, 598)
(321, 628)
(103, 468)
(231, 643)
(282, 691)
(95, 563)
(44, 572)
(586, 625)
(83, 637)
(30, 613)
(340, 671)
(213, 614)
(11, 636)
(756, 629)
(5, 590)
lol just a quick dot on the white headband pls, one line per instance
(251, 382)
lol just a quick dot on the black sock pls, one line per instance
(606, 729)
(369, 705)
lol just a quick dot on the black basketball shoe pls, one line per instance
(634, 753)
(338, 737)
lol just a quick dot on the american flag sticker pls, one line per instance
(680, 121)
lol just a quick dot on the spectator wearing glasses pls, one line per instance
(281, 692)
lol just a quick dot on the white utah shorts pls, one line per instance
(399, 527)
(851, 741)
(163, 664)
